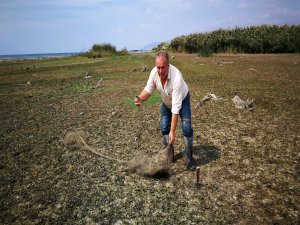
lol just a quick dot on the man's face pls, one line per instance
(162, 67)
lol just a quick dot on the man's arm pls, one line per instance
(144, 95)
(173, 128)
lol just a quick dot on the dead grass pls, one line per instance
(249, 160)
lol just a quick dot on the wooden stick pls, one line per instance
(98, 84)
(198, 174)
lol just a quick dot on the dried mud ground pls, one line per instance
(249, 160)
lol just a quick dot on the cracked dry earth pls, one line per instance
(249, 160)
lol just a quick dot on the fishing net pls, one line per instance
(149, 165)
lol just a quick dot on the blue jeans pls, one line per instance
(185, 115)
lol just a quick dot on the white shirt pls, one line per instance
(174, 91)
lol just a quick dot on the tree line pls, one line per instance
(253, 39)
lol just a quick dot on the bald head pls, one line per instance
(163, 54)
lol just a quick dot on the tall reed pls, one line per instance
(253, 39)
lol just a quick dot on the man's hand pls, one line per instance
(173, 128)
(143, 96)
(171, 137)
(137, 101)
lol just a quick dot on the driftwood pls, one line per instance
(98, 83)
(241, 104)
(207, 98)
(88, 75)
(238, 102)
(28, 83)
(251, 69)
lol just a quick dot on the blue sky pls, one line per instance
(42, 26)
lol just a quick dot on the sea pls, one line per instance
(36, 56)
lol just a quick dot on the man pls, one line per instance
(168, 80)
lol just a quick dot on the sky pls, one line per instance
(58, 26)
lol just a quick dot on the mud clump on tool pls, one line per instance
(154, 165)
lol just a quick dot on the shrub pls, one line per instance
(104, 50)
(161, 46)
(205, 53)
(104, 47)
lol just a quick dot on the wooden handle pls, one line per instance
(198, 174)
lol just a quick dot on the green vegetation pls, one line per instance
(154, 99)
(205, 53)
(104, 50)
(162, 46)
(254, 39)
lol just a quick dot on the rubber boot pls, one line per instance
(169, 149)
(188, 145)
(166, 140)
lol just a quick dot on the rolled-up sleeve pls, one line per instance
(151, 83)
(177, 96)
